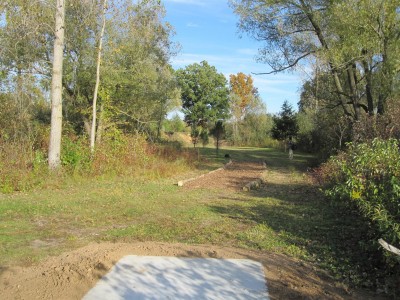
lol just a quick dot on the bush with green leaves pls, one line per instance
(367, 178)
(75, 153)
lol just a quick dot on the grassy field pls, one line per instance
(289, 215)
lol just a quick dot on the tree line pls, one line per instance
(101, 69)
(127, 45)
(351, 52)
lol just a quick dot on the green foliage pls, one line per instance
(75, 152)
(254, 130)
(353, 46)
(250, 125)
(21, 167)
(176, 124)
(322, 132)
(367, 178)
(137, 87)
(204, 94)
(285, 123)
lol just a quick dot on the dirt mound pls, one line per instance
(72, 275)
(234, 177)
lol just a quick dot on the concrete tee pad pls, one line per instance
(156, 277)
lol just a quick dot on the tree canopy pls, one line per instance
(204, 94)
(137, 83)
(356, 42)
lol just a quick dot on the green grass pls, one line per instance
(288, 216)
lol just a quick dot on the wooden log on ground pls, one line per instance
(389, 247)
(182, 182)
(253, 185)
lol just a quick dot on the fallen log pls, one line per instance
(253, 185)
(182, 182)
(389, 247)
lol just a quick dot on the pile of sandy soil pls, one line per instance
(71, 275)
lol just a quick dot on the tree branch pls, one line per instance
(286, 67)
(134, 118)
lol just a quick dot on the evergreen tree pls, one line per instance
(285, 123)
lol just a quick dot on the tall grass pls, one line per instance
(22, 167)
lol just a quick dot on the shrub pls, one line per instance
(75, 153)
(367, 177)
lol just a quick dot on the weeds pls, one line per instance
(23, 168)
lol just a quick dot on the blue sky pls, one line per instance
(207, 30)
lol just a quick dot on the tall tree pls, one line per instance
(352, 40)
(137, 76)
(204, 95)
(242, 86)
(24, 44)
(243, 96)
(56, 88)
(96, 87)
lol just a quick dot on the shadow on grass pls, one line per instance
(274, 158)
(299, 215)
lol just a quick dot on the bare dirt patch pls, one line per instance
(72, 274)
(233, 177)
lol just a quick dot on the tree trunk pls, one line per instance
(100, 127)
(96, 88)
(368, 87)
(319, 33)
(353, 90)
(388, 80)
(160, 119)
(56, 89)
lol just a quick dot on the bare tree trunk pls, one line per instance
(368, 87)
(161, 117)
(353, 89)
(96, 89)
(100, 127)
(56, 89)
